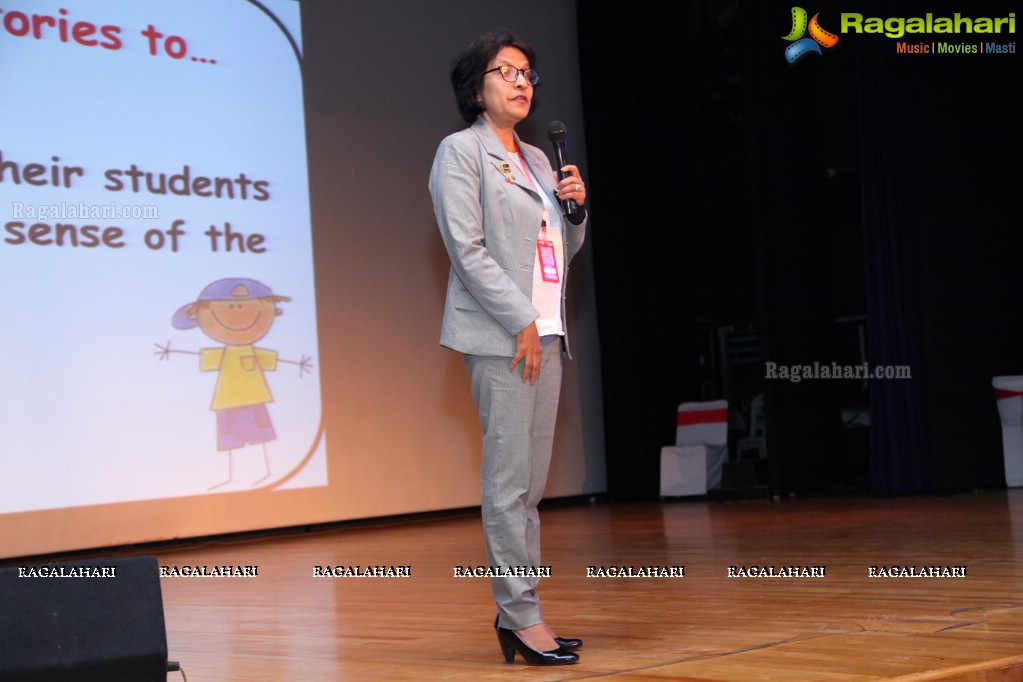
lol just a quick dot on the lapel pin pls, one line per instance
(508, 177)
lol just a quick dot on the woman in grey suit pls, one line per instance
(497, 205)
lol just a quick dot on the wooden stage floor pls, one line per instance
(286, 625)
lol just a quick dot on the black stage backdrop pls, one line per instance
(857, 187)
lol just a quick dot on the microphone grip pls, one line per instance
(568, 206)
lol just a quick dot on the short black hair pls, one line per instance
(467, 69)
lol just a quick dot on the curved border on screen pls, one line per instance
(305, 460)
(280, 25)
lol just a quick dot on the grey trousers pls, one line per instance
(518, 435)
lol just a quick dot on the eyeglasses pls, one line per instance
(511, 74)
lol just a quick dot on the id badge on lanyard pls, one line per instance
(545, 250)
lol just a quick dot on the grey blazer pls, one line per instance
(489, 227)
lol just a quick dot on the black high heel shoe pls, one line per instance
(510, 643)
(566, 643)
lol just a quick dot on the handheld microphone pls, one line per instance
(556, 133)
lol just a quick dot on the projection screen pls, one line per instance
(222, 278)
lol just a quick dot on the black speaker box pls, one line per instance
(83, 621)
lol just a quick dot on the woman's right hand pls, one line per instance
(528, 351)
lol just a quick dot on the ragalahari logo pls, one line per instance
(802, 46)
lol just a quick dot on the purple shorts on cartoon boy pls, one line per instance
(237, 426)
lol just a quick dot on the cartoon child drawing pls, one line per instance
(237, 312)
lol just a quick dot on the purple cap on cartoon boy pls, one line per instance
(231, 289)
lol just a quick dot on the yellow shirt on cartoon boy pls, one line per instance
(241, 381)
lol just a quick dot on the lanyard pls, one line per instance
(520, 164)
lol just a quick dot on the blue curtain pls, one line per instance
(899, 458)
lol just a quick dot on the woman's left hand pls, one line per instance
(572, 186)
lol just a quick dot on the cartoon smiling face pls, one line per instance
(238, 322)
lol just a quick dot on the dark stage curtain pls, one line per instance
(891, 248)
(940, 178)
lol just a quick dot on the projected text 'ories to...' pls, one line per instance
(66, 29)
